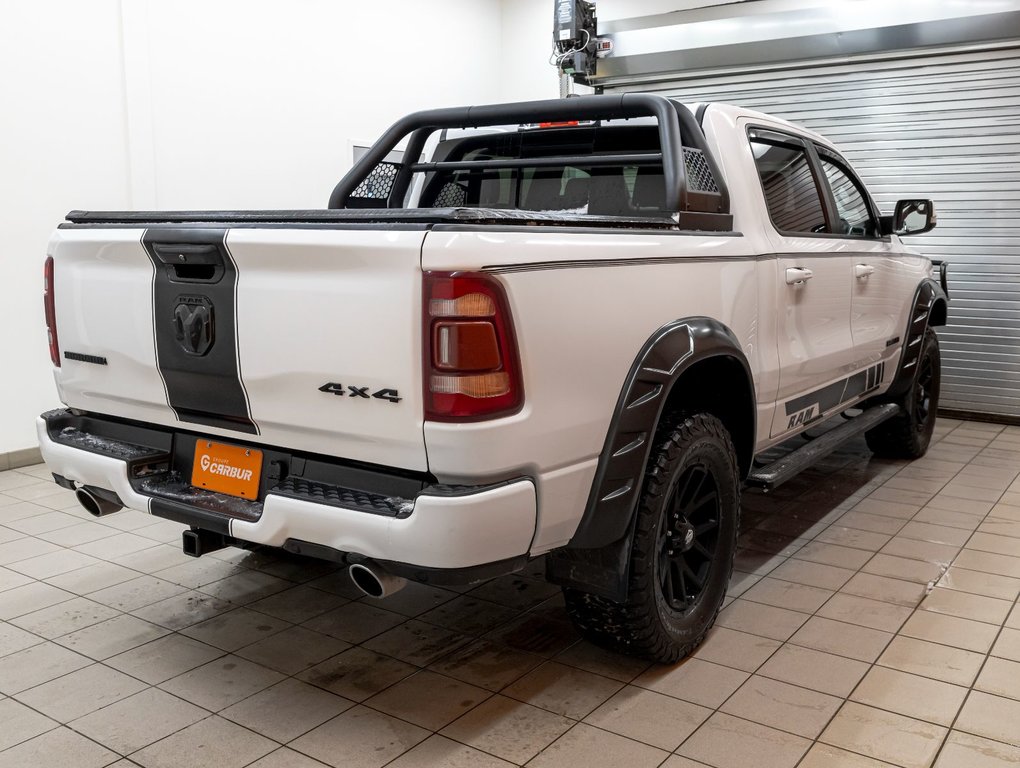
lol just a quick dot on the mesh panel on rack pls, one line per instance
(379, 182)
(699, 174)
(452, 195)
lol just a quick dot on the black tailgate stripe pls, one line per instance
(202, 387)
(237, 340)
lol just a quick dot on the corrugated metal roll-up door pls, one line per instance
(944, 126)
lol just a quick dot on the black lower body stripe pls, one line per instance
(195, 327)
(843, 391)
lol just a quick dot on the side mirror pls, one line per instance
(913, 217)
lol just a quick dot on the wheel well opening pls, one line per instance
(939, 313)
(720, 386)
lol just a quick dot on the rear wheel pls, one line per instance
(908, 434)
(682, 552)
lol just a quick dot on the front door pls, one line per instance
(883, 276)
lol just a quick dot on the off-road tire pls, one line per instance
(908, 434)
(649, 624)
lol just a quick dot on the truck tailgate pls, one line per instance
(304, 339)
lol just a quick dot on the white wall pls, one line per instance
(257, 109)
(526, 41)
(62, 146)
(116, 104)
(211, 104)
(214, 104)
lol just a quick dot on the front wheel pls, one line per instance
(682, 553)
(908, 434)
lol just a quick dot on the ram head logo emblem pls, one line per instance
(193, 324)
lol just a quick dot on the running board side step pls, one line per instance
(771, 476)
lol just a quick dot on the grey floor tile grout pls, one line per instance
(366, 702)
(873, 663)
(210, 713)
(896, 634)
(781, 526)
(56, 725)
(871, 666)
(977, 676)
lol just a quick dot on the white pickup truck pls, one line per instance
(562, 328)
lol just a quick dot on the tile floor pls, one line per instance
(872, 621)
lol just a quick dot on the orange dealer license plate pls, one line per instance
(227, 469)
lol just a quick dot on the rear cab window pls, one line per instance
(792, 193)
(624, 189)
(809, 189)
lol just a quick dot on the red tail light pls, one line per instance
(472, 367)
(51, 314)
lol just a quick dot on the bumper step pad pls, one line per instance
(337, 496)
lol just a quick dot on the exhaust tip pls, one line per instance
(371, 579)
(88, 501)
(95, 504)
(365, 580)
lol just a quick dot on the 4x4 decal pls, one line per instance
(335, 388)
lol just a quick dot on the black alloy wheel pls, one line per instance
(688, 538)
(907, 435)
(681, 549)
(923, 393)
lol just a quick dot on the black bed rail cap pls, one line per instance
(356, 218)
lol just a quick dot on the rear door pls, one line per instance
(813, 282)
(303, 339)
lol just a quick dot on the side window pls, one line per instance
(855, 218)
(791, 194)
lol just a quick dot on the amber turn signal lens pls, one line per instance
(483, 385)
(471, 305)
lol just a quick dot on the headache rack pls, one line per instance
(695, 193)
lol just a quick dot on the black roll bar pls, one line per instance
(668, 115)
(595, 161)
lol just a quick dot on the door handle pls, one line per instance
(798, 275)
(863, 270)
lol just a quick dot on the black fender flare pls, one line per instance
(596, 560)
(670, 352)
(929, 308)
